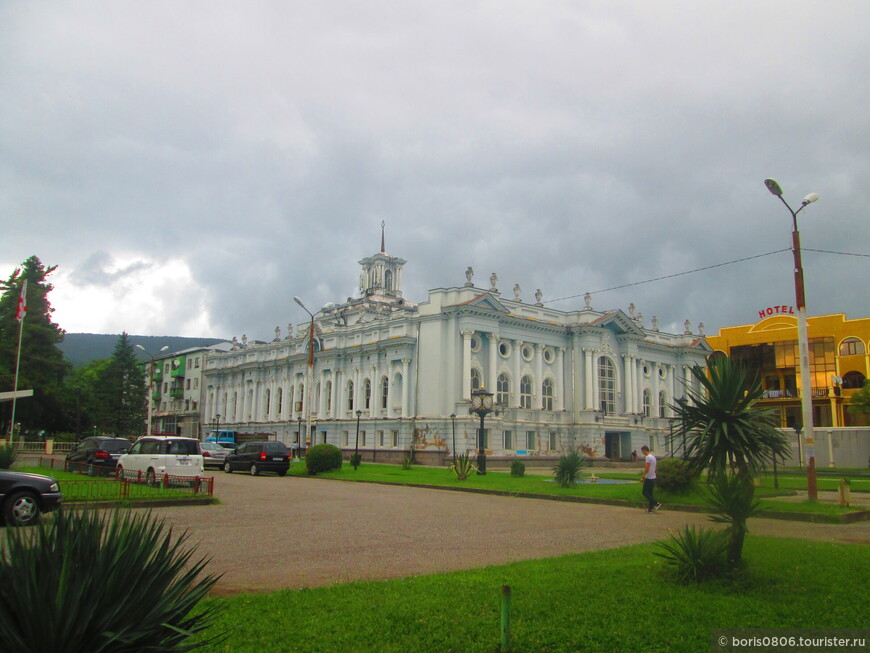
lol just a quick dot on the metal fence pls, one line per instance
(126, 484)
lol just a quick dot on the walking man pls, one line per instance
(649, 480)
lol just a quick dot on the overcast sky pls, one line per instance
(190, 166)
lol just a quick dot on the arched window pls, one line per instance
(547, 393)
(475, 379)
(852, 347)
(606, 385)
(367, 394)
(502, 390)
(647, 400)
(350, 395)
(853, 381)
(663, 402)
(235, 404)
(388, 280)
(328, 396)
(301, 396)
(290, 400)
(267, 403)
(317, 396)
(385, 392)
(526, 392)
(280, 403)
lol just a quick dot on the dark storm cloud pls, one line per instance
(568, 147)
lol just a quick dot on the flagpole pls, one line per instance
(22, 301)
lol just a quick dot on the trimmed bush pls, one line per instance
(518, 469)
(322, 458)
(119, 583)
(7, 456)
(355, 460)
(675, 475)
(694, 555)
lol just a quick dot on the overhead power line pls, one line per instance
(707, 267)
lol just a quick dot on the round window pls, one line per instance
(475, 344)
(646, 370)
(549, 355)
(663, 372)
(528, 352)
(504, 349)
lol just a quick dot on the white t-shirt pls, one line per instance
(651, 461)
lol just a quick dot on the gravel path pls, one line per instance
(273, 533)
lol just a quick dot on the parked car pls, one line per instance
(213, 454)
(97, 454)
(24, 497)
(256, 457)
(155, 455)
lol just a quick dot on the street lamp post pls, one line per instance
(151, 382)
(803, 339)
(307, 398)
(356, 446)
(453, 418)
(481, 405)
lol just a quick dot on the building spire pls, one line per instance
(383, 249)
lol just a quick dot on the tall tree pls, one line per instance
(731, 438)
(122, 392)
(83, 407)
(42, 367)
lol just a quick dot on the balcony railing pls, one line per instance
(795, 393)
(176, 393)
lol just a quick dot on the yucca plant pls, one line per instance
(104, 584)
(407, 461)
(463, 467)
(729, 436)
(7, 456)
(732, 497)
(694, 555)
(568, 469)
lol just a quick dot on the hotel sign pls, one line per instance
(775, 310)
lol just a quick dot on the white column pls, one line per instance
(376, 394)
(654, 391)
(627, 383)
(466, 363)
(357, 388)
(517, 357)
(337, 394)
(492, 375)
(560, 380)
(406, 384)
(589, 365)
(321, 411)
(596, 402)
(539, 373)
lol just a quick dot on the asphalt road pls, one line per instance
(272, 533)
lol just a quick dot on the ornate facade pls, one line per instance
(402, 374)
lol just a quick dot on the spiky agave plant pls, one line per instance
(115, 583)
(568, 469)
(463, 467)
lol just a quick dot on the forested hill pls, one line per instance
(82, 348)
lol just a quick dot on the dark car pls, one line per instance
(23, 497)
(97, 455)
(256, 457)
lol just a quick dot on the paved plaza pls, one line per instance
(271, 533)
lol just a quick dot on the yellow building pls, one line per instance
(839, 362)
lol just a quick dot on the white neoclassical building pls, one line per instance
(401, 374)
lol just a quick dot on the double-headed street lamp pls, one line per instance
(803, 339)
(481, 405)
(151, 381)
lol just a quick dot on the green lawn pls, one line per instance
(502, 481)
(615, 600)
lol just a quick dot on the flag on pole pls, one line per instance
(22, 302)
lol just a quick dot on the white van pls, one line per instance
(153, 455)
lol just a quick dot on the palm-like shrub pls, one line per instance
(732, 497)
(322, 458)
(7, 456)
(729, 436)
(104, 584)
(518, 469)
(568, 469)
(693, 555)
(463, 467)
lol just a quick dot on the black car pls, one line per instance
(97, 454)
(23, 497)
(257, 457)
